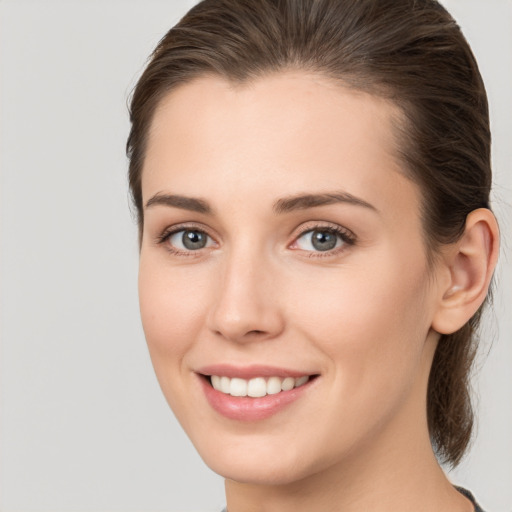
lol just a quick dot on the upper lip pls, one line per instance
(250, 371)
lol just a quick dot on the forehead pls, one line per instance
(282, 100)
(281, 127)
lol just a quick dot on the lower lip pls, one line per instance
(244, 408)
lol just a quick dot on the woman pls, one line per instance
(312, 185)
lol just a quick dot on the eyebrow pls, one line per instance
(283, 205)
(176, 201)
(304, 201)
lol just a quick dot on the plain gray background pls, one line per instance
(83, 424)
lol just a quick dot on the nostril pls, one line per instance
(240, 323)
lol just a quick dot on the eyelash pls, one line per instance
(347, 237)
(167, 233)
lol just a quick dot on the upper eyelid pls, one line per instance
(185, 226)
(322, 225)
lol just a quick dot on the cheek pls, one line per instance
(171, 309)
(172, 313)
(353, 300)
(371, 321)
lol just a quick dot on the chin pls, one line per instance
(259, 465)
(257, 473)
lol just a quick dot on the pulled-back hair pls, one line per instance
(409, 51)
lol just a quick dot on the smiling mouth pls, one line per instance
(256, 387)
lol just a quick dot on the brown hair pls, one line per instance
(409, 51)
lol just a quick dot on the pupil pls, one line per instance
(323, 240)
(194, 240)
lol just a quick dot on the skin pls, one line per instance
(360, 316)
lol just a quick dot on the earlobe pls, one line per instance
(470, 263)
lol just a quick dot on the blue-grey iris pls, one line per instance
(194, 240)
(323, 240)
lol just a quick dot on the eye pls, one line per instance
(186, 240)
(323, 239)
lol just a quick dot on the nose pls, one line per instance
(246, 303)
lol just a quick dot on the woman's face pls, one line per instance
(283, 247)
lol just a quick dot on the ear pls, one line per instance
(470, 264)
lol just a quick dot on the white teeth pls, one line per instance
(238, 387)
(256, 387)
(273, 385)
(288, 383)
(301, 380)
(216, 381)
(224, 385)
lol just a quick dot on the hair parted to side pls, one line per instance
(409, 51)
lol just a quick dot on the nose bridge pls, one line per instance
(245, 305)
